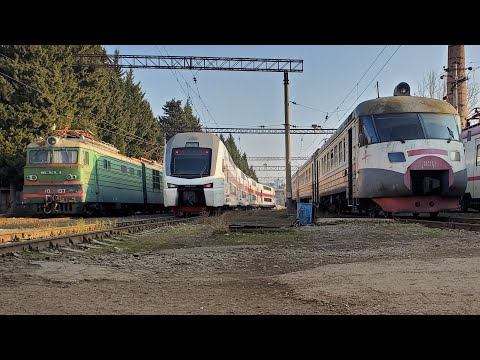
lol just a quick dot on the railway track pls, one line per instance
(119, 229)
(25, 231)
(451, 222)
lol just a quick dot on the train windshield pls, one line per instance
(393, 127)
(65, 156)
(408, 126)
(191, 162)
(40, 157)
(441, 126)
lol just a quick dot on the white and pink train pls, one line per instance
(396, 154)
(199, 175)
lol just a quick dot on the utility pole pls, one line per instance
(288, 160)
(207, 63)
(456, 81)
(455, 88)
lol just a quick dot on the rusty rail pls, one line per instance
(69, 239)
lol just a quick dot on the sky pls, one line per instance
(252, 99)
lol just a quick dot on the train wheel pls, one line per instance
(387, 215)
(434, 214)
(465, 204)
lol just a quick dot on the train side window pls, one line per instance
(139, 173)
(156, 179)
(478, 155)
(86, 159)
(335, 156)
(340, 153)
(132, 171)
(124, 169)
(106, 164)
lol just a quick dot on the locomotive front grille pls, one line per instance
(429, 182)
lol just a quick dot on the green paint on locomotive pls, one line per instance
(84, 175)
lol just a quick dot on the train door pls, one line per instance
(350, 170)
(144, 184)
(476, 171)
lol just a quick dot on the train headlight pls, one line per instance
(455, 155)
(171, 185)
(396, 157)
(70, 177)
(32, 177)
(52, 140)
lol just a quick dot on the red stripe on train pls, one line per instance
(40, 183)
(427, 152)
(473, 178)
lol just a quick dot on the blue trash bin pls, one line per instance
(304, 213)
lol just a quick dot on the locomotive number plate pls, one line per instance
(55, 191)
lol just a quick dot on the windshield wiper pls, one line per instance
(450, 134)
(204, 168)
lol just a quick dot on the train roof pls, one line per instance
(393, 104)
(70, 139)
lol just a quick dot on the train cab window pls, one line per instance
(267, 188)
(367, 134)
(191, 162)
(398, 127)
(478, 155)
(254, 183)
(107, 164)
(191, 144)
(86, 159)
(65, 156)
(139, 173)
(40, 157)
(441, 126)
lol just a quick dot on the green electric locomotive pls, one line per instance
(71, 173)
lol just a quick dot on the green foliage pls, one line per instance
(43, 89)
(178, 119)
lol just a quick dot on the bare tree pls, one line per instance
(433, 86)
(473, 90)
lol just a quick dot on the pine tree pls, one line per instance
(178, 119)
(42, 94)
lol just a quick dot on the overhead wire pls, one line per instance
(196, 93)
(346, 97)
(179, 83)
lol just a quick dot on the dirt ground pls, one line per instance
(339, 266)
